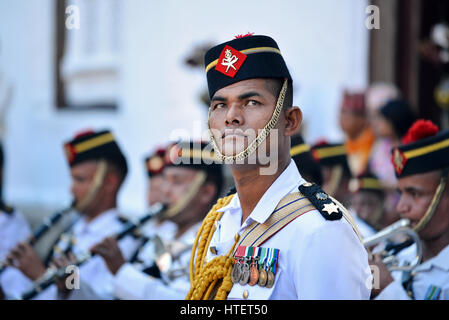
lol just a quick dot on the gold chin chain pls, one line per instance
(258, 140)
(185, 200)
(97, 182)
(433, 205)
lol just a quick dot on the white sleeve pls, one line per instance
(51, 293)
(130, 283)
(23, 227)
(334, 265)
(85, 292)
(14, 283)
(394, 291)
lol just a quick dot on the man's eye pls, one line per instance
(253, 103)
(218, 106)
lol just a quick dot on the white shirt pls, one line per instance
(130, 283)
(432, 273)
(96, 282)
(13, 229)
(318, 259)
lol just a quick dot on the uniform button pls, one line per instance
(213, 250)
(245, 294)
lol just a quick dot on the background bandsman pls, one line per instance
(192, 183)
(421, 166)
(98, 169)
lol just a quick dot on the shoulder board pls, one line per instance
(231, 191)
(321, 201)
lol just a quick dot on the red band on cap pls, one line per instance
(230, 61)
(69, 152)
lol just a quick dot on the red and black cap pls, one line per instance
(301, 153)
(424, 149)
(354, 101)
(246, 57)
(195, 155)
(329, 154)
(367, 181)
(91, 145)
(155, 162)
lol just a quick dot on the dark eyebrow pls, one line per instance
(412, 190)
(218, 98)
(249, 94)
(243, 96)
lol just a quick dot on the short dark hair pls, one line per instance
(274, 85)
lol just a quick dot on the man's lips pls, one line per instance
(233, 134)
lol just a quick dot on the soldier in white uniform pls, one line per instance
(154, 166)
(278, 236)
(333, 160)
(301, 153)
(191, 185)
(421, 166)
(13, 228)
(367, 203)
(98, 169)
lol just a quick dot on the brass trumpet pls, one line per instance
(400, 227)
(166, 254)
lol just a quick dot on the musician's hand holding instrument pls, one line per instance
(62, 262)
(25, 258)
(109, 250)
(382, 272)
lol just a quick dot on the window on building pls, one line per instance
(88, 50)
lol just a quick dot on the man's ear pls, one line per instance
(293, 120)
(111, 181)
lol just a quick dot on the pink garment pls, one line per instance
(380, 162)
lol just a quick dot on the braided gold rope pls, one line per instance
(197, 183)
(260, 137)
(204, 278)
(97, 182)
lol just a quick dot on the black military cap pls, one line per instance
(91, 145)
(301, 153)
(424, 150)
(330, 154)
(193, 155)
(243, 58)
(367, 181)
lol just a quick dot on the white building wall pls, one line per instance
(324, 42)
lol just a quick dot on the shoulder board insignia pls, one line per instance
(321, 201)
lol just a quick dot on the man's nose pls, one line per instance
(234, 115)
(403, 207)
